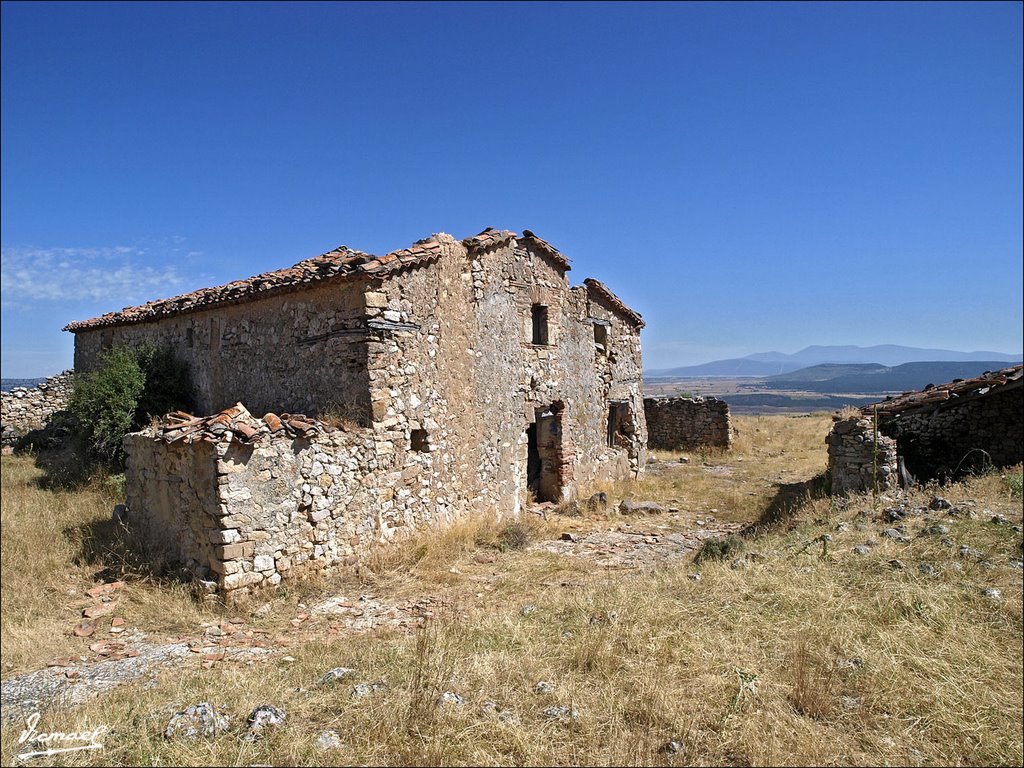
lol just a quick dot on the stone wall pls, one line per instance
(858, 457)
(460, 404)
(942, 441)
(245, 516)
(684, 423)
(303, 352)
(24, 409)
(949, 441)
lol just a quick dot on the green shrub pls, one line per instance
(132, 385)
(513, 536)
(719, 549)
(1015, 485)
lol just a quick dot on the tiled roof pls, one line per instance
(489, 238)
(547, 248)
(948, 394)
(236, 423)
(342, 262)
(605, 293)
(494, 238)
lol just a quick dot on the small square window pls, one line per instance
(540, 324)
(419, 441)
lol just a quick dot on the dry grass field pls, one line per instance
(792, 649)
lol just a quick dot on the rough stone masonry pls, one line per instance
(464, 377)
(941, 432)
(24, 409)
(686, 423)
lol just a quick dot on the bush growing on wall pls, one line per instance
(132, 385)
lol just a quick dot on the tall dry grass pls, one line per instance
(810, 654)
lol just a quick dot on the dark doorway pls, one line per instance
(544, 455)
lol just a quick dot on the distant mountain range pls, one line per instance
(871, 377)
(885, 355)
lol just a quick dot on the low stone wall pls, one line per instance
(684, 423)
(245, 516)
(24, 409)
(857, 456)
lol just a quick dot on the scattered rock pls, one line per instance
(970, 553)
(928, 570)
(197, 721)
(528, 610)
(84, 629)
(992, 593)
(264, 717)
(1016, 563)
(504, 715)
(366, 689)
(561, 713)
(897, 565)
(938, 502)
(855, 662)
(850, 703)
(672, 747)
(842, 527)
(334, 675)
(570, 537)
(694, 577)
(263, 610)
(95, 611)
(328, 740)
(640, 508)
(894, 514)
(450, 699)
(738, 564)
(937, 529)
(895, 535)
(999, 520)
(598, 502)
(544, 686)
(862, 549)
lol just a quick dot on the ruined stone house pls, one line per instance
(465, 376)
(939, 433)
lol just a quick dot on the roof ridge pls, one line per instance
(605, 292)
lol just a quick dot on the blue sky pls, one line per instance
(749, 177)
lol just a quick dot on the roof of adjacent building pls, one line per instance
(340, 263)
(952, 393)
(618, 304)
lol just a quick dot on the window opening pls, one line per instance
(540, 324)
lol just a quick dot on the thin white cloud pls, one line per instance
(109, 275)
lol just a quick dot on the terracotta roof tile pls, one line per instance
(340, 263)
(953, 391)
(547, 249)
(605, 293)
(489, 238)
(235, 423)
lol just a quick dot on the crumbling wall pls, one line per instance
(245, 516)
(172, 499)
(859, 459)
(687, 423)
(949, 441)
(26, 408)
